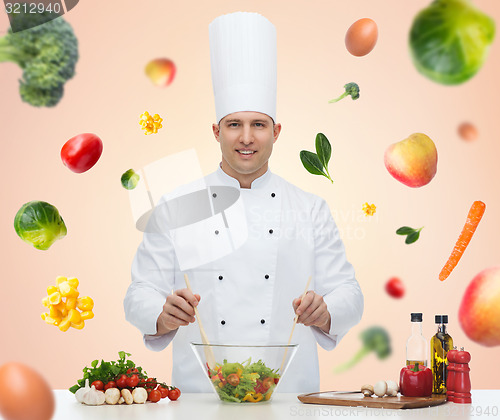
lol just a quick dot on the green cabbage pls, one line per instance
(39, 224)
(130, 179)
(450, 39)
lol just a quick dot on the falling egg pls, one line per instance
(161, 71)
(361, 37)
(468, 131)
(24, 394)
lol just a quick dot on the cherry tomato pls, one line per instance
(268, 382)
(122, 381)
(276, 380)
(154, 396)
(163, 391)
(173, 394)
(395, 287)
(81, 152)
(110, 384)
(99, 385)
(133, 381)
(233, 379)
(132, 370)
(151, 383)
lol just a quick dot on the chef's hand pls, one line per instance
(177, 311)
(312, 311)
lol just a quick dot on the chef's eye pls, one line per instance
(260, 124)
(233, 124)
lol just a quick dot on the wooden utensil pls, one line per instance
(209, 354)
(294, 323)
(357, 399)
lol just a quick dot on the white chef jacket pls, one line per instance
(246, 296)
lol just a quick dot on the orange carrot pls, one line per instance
(473, 218)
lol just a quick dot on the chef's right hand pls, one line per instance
(178, 310)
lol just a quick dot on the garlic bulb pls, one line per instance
(93, 397)
(82, 391)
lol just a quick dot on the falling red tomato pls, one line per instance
(81, 152)
(395, 287)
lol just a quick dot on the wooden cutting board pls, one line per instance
(357, 399)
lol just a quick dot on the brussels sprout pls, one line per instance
(39, 224)
(449, 40)
(130, 179)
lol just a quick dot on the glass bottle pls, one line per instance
(441, 343)
(416, 346)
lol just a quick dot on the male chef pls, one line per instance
(251, 294)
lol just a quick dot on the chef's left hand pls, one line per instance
(312, 311)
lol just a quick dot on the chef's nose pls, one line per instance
(246, 135)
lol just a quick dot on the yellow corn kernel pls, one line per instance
(54, 298)
(73, 282)
(45, 301)
(60, 306)
(67, 290)
(74, 316)
(71, 303)
(64, 311)
(78, 326)
(52, 289)
(64, 324)
(52, 321)
(85, 303)
(54, 313)
(45, 315)
(60, 279)
(87, 315)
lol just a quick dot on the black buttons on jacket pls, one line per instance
(214, 195)
(262, 321)
(216, 232)
(273, 195)
(271, 231)
(223, 322)
(220, 277)
(266, 276)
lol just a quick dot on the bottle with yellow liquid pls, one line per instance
(441, 343)
(416, 346)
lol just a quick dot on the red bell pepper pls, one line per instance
(415, 381)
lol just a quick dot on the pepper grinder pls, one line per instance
(450, 376)
(461, 383)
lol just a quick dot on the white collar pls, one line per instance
(259, 182)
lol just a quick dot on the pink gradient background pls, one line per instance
(110, 91)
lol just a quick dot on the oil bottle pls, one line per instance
(416, 346)
(441, 343)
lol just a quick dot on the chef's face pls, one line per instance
(246, 140)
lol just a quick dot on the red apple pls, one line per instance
(479, 312)
(161, 71)
(412, 161)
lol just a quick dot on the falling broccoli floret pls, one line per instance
(375, 339)
(350, 89)
(47, 53)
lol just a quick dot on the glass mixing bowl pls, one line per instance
(244, 374)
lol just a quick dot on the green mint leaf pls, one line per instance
(94, 363)
(312, 163)
(405, 230)
(323, 149)
(122, 355)
(412, 237)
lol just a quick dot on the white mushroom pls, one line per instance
(112, 395)
(392, 388)
(367, 390)
(127, 396)
(380, 388)
(140, 395)
(121, 401)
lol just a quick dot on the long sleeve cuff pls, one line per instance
(158, 343)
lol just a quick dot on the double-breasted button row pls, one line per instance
(262, 321)
(266, 277)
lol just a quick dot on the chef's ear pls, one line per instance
(216, 129)
(276, 131)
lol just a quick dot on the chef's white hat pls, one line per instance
(243, 61)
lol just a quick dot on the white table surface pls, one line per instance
(485, 404)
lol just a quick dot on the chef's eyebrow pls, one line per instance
(232, 120)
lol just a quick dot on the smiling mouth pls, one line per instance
(246, 152)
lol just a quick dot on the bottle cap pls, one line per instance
(416, 317)
(441, 319)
